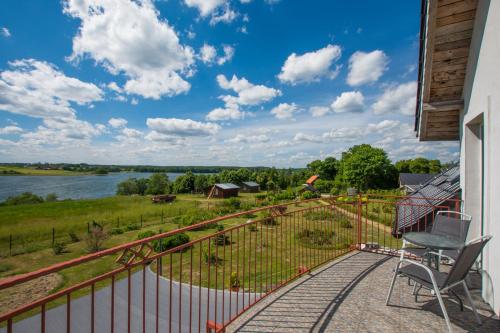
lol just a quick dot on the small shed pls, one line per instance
(250, 187)
(224, 190)
(312, 179)
(410, 182)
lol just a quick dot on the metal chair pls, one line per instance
(440, 282)
(446, 223)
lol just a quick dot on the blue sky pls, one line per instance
(208, 82)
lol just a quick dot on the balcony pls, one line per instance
(317, 265)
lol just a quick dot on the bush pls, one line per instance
(167, 243)
(132, 226)
(194, 218)
(211, 258)
(51, 197)
(73, 236)
(234, 281)
(319, 215)
(345, 224)
(58, 248)
(252, 227)
(23, 199)
(309, 195)
(221, 239)
(96, 238)
(146, 234)
(316, 238)
(116, 231)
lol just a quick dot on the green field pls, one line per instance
(20, 171)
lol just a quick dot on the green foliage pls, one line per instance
(127, 187)
(319, 215)
(101, 171)
(365, 167)
(221, 239)
(309, 195)
(58, 248)
(194, 217)
(158, 184)
(146, 234)
(234, 281)
(51, 197)
(26, 198)
(184, 183)
(327, 169)
(73, 237)
(132, 226)
(167, 243)
(5, 267)
(419, 165)
(211, 257)
(116, 231)
(344, 223)
(252, 227)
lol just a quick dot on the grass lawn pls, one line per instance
(20, 171)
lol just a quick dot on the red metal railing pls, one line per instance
(206, 283)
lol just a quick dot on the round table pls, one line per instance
(433, 241)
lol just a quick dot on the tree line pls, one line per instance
(362, 166)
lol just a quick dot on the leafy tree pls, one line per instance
(158, 184)
(403, 166)
(127, 187)
(365, 167)
(51, 197)
(142, 185)
(184, 183)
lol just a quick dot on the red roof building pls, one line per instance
(312, 179)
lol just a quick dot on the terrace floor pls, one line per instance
(348, 295)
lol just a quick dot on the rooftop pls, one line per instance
(413, 179)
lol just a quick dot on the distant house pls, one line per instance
(414, 212)
(409, 182)
(250, 187)
(223, 190)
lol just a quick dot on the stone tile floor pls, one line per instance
(348, 295)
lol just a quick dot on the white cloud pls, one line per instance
(182, 127)
(302, 137)
(343, 133)
(248, 93)
(240, 138)
(10, 130)
(284, 110)
(60, 131)
(38, 89)
(117, 122)
(205, 7)
(131, 133)
(310, 66)
(219, 114)
(129, 37)
(382, 126)
(319, 111)
(366, 67)
(397, 99)
(226, 15)
(164, 138)
(114, 86)
(5, 32)
(208, 53)
(351, 101)
(228, 55)
(134, 101)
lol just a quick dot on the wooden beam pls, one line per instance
(456, 8)
(452, 37)
(468, 15)
(440, 107)
(429, 50)
(455, 27)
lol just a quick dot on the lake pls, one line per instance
(69, 187)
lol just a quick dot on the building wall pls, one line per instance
(480, 181)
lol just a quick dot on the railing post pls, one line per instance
(360, 219)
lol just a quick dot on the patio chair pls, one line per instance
(446, 223)
(440, 282)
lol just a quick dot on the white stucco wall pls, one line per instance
(482, 97)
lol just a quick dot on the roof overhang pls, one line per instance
(445, 36)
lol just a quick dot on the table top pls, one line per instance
(433, 241)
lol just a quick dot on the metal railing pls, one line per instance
(206, 283)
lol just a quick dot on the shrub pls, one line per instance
(23, 199)
(211, 258)
(316, 237)
(146, 234)
(345, 224)
(319, 215)
(167, 243)
(309, 195)
(268, 219)
(132, 226)
(51, 197)
(221, 239)
(252, 227)
(73, 237)
(96, 238)
(58, 248)
(194, 218)
(116, 231)
(234, 281)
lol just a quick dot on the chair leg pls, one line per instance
(445, 314)
(471, 302)
(392, 283)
